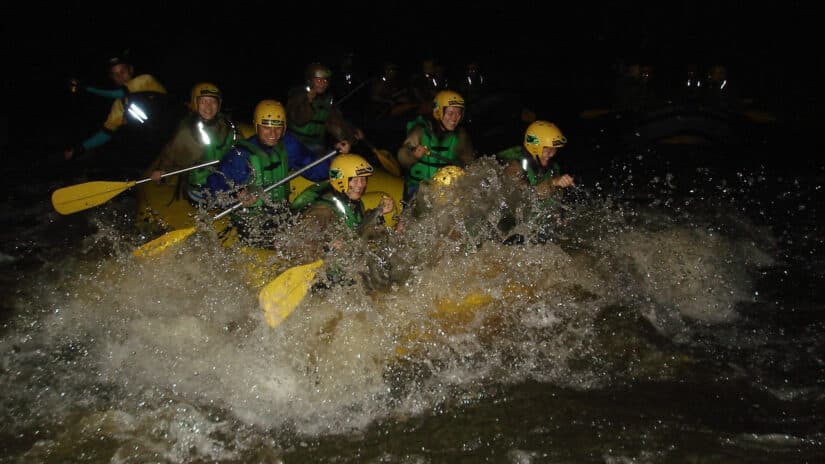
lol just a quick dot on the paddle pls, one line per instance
(353, 91)
(386, 159)
(441, 158)
(282, 295)
(74, 198)
(160, 244)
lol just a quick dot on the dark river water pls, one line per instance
(670, 312)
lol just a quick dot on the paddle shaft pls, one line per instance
(281, 182)
(79, 197)
(190, 168)
(353, 91)
(388, 162)
(442, 159)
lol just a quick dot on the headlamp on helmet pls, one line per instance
(317, 70)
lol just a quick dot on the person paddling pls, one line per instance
(205, 134)
(257, 162)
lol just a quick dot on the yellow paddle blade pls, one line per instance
(160, 244)
(280, 297)
(460, 311)
(388, 162)
(447, 316)
(74, 198)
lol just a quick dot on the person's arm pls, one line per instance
(299, 108)
(514, 172)
(373, 225)
(112, 94)
(563, 181)
(411, 150)
(298, 156)
(341, 129)
(176, 154)
(232, 172)
(95, 140)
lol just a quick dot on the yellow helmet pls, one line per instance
(270, 113)
(317, 70)
(204, 89)
(345, 166)
(445, 176)
(444, 99)
(542, 134)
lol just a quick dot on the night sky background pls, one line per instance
(562, 57)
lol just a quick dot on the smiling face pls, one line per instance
(208, 107)
(452, 116)
(356, 187)
(547, 153)
(270, 135)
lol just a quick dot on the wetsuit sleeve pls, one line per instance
(114, 94)
(97, 139)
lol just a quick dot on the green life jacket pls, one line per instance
(534, 173)
(314, 129)
(442, 152)
(268, 168)
(309, 195)
(351, 212)
(217, 139)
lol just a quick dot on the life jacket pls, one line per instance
(534, 173)
(351, 212)
(442, 152)
(146, 105)
(315, 129)
(267, 169)
(309, 195)
(217, 137)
